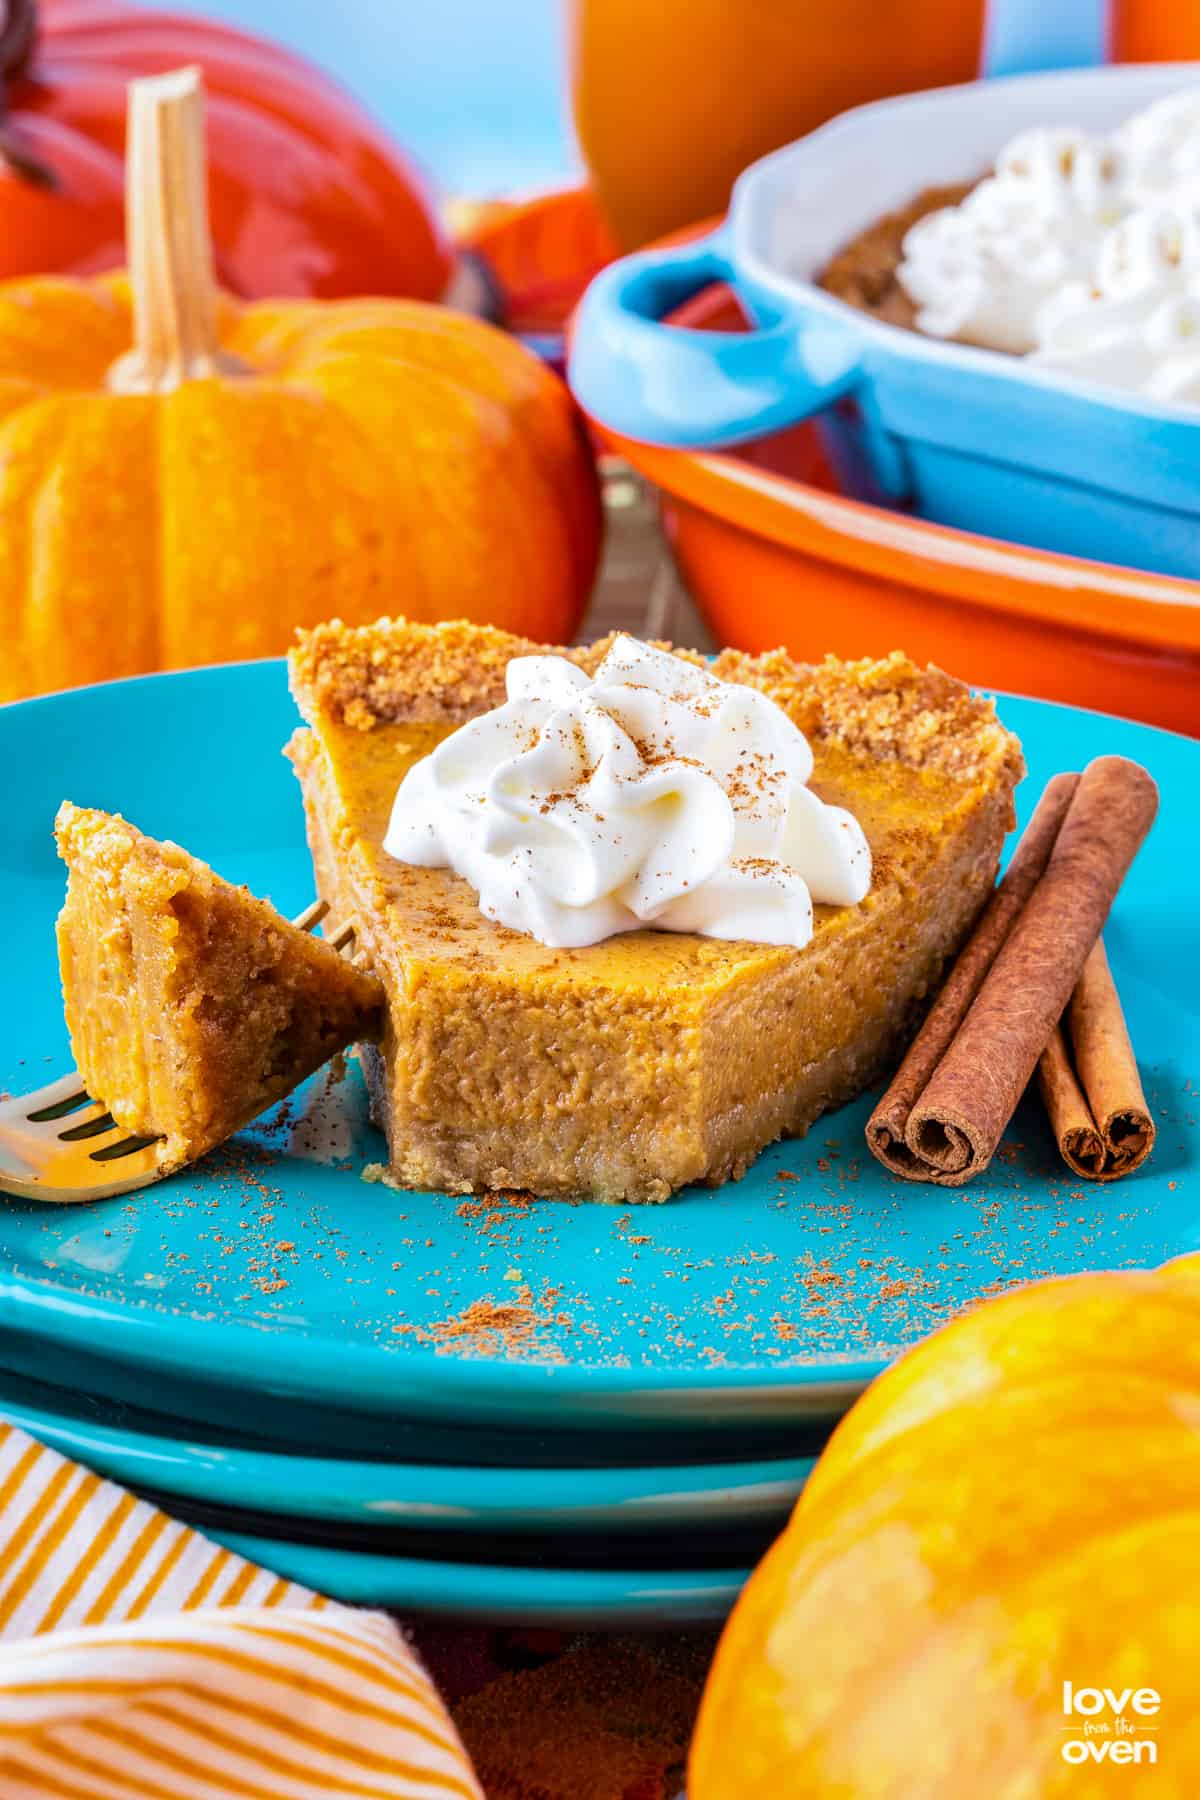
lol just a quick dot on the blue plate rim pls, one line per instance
(502, 1593)
(289, 1482)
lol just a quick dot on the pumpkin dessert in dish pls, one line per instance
(864, 273)
(1079, 250)
(614, 1062)
(191, 1005)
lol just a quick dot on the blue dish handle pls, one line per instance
(666, 384)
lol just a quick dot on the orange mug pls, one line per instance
(674, 98)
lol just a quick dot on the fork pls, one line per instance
(60, 1146)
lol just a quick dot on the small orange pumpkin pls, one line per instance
(243, 470)
(1014, 1507)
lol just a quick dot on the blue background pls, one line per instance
(476, 90)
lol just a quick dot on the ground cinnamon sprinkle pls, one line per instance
(822, 1277)
(493, 1328)
(495, 1211)
(485, 1315)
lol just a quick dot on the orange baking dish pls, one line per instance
(775, 554)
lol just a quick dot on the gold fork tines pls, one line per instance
(60, 1146)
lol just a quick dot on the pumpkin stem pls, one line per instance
(168, 243)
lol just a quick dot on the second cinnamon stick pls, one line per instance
(1090, 1083)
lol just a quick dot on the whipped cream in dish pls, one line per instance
(979, 271)
(1080, 252)
(1136, 324)
(650, 794)
(1161, 150)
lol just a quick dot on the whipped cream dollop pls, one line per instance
(1160, 150)
(979, 272)
(651, 794)
(1136, 323)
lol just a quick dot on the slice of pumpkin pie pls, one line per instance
(192, 1005)
(644, 914)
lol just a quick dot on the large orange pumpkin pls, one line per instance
(1014, 1507)
(242, 471)
(309, 197)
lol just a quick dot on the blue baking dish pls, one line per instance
(966, 437)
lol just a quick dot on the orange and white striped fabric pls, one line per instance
(140, 1661)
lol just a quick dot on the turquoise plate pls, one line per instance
(124, 1446)
(276, 1278)
(501, 1594)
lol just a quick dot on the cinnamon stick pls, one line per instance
(943, 1116)
(1097, 1109)
(888, 1124)
(1071, 1121)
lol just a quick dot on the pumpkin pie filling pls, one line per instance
(628, 1068)
(192, 1006)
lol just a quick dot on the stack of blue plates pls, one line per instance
(520, 1411)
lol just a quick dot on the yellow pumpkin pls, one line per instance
(184, 480)
(989, 1588)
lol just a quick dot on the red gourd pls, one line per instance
(307, 196)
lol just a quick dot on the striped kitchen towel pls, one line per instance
(139, 1661)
